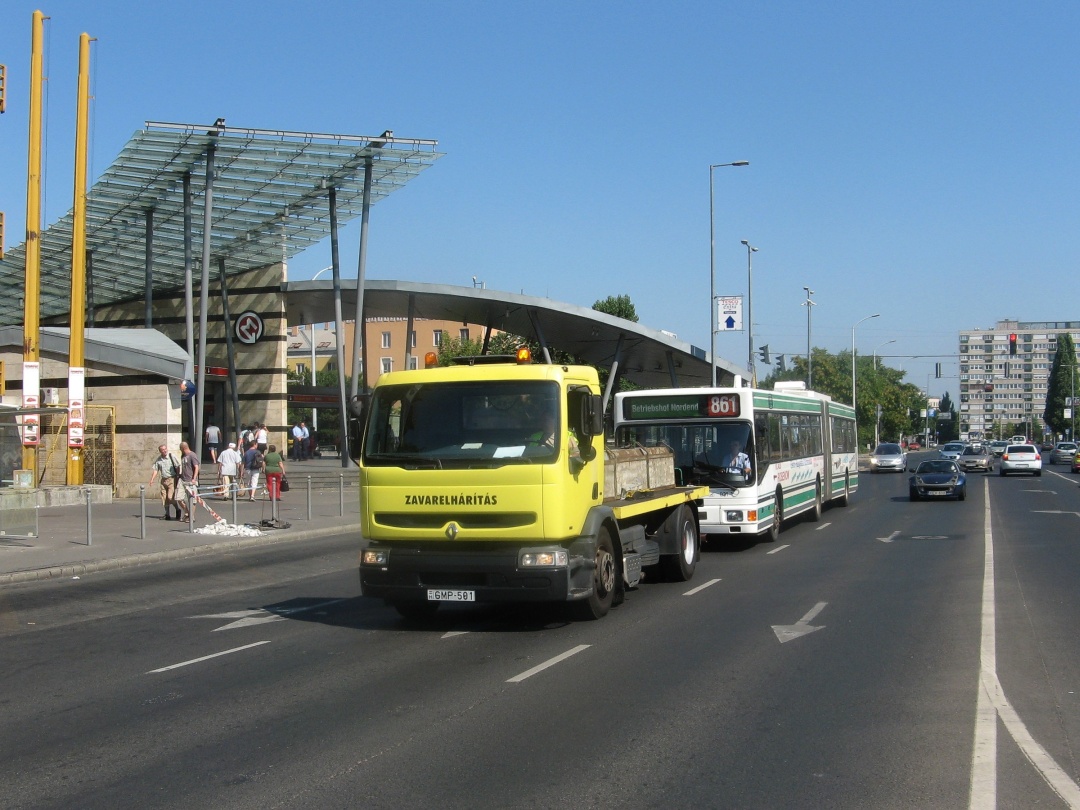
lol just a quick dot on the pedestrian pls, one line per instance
(275, 468)
(262, 438)
(254, 464)
(189, 478)
(166, 468)
(213, 440)
(297, 441)
(229, 464)
(305, 441)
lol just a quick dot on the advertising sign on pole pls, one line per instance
(31, 400)
(729, 313)
(76, 406)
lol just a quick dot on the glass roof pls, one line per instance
(270, 202)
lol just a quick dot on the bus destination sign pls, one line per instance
(692, 406)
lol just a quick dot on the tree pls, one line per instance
(1060, 386)
(618, 305)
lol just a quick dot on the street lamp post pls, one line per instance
(712, 268)
(853, 403)
(751, 365)
(809, 304)
(886, 343)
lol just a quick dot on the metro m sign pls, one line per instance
(248, 327)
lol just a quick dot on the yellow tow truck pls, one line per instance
(489, 481)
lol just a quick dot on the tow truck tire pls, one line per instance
(605, 580)
(415, 611)
(680, 567)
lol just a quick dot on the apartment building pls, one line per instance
(1004, 373)
(387, 347)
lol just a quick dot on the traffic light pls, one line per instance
(1012, 344)
(765, 354)
(937, 370)
(781, 363)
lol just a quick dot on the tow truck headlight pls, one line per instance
(375, 556)
(543, 559)
(733, 515)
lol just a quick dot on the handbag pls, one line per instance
(284, 484)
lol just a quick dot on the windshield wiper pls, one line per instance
(408, 460)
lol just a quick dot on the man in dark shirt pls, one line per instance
(189, 477)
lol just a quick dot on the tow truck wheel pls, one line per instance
(416, 611)
(680, 567)
(605, 580)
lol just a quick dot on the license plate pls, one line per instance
(451, 596)
(937, 492)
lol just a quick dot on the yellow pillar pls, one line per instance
(76, 351)
(32, 291)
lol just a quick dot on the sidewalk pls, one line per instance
(115, 539)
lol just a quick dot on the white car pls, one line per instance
(951, 450)
(1020, 458)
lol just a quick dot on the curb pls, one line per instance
(136, 560)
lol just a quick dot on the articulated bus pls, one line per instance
(766, 455)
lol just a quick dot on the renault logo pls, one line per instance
(452, 531)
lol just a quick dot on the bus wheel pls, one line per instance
(843, 499)
(604, 580)
(680, 567)
(778, 516)
(815, 513)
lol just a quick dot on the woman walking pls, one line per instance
(275, 468)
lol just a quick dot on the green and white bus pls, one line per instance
(766, 455)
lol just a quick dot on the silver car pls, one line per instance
(1020, 458)
(977, 458)
(888, 457)
(1063, 453)
(951, 450)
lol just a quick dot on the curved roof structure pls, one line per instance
(645, 356)
(270, 201)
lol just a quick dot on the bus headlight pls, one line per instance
(543, 559)
(375, 556)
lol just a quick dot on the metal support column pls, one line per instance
(339, 327)
(148, 263)
(359, 369)
(189, 299)
(204, 298)
(231, 355)
(613, 373)
(409, 319)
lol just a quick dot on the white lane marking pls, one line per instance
(787, 632)
(549, 663)
(247, 618)
(701, 587)
(1043, 491)
(890, 538)
(453, 633)
(206, 657)
(779, 548)
(984, 767)
(1053, 512)
(822, 526)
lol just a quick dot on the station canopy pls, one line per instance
(269, 202)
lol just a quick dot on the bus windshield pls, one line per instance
(716, 454)
(446, 425)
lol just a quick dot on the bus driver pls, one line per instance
(736, 461)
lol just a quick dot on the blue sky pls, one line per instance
(916, 159)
